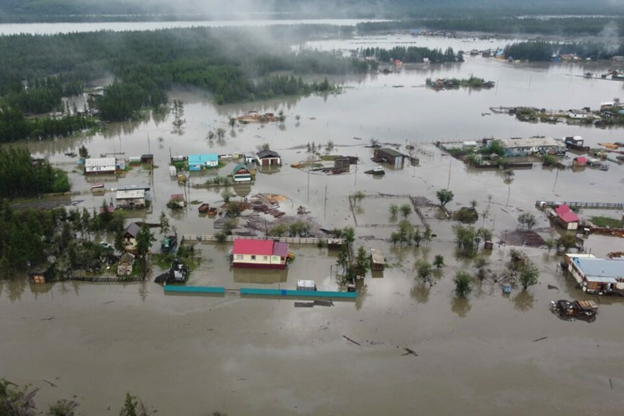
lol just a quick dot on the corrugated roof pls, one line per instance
(253, 247)
(563, 211)
(390, 152)
(212, 157)
(600, 270)
(137, 193)
(132, 229)
(100, 162)
(530, 142)
(280, 249)
(267, 153)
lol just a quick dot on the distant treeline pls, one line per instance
(14, 126)
(412, 54)
(582, 26)
(544, 51)
(125, 10)
(233, 64)
(21, 176)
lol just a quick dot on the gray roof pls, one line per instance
(132, 229)
(530, 142)
(390, 152)
(267, 153)
(599, 269)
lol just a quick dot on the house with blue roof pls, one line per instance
(201, 162)
(594, 275)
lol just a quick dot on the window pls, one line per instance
(239, 257)
(265, 258)
(253, 257)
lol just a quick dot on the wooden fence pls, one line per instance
(289, 240)
(596, 205)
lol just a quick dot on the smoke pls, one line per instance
(610, 37)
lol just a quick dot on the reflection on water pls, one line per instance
(260, 276)
(420, 293)
(523, 301)
(460, 306)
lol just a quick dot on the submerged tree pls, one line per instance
(164, 223)
(438, 261)
(144, 240)
(528, 274)
(424, 270)
(444, 196)
(362, 261)
(463, 284)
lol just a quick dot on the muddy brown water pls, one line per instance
(190, 355)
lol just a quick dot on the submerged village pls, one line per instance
(433, 215)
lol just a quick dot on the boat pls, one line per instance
(588, 74)
(212, 212)
(604, 167)
(97, 185)
(203, 208)
(377, 170)
(585, 310)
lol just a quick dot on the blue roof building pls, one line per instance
(201, 162)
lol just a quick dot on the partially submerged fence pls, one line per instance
(289, 240)
(571, 204)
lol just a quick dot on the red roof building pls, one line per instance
(566, 218)
(580, 161)
(265, 254)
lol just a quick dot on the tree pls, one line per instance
(329, 147)
(444, 196)
(438, 261)
(362, 261)
(528, 274)
(278, 231)
(226, 195)
(423, 267)
(463, 284)
(481, 263)
(220, 133)
(144, 240)
(527, 219)
(133, 407)
(417, 236)
(465, 238)
(567, 241)
(406, 210)
(394, 210)
(549, 243)
(232, 123)
(164, 223)
(473, 204)
(119, 243)
(83, 152)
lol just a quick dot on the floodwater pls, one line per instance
(191, 355)
(55, 28)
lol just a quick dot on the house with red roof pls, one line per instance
(566, 218)
(580, 161)
(262, 254)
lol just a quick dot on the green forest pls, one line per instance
(411, 54)
(22, 176)
(571, 26)
(234, 65)
(544, 51)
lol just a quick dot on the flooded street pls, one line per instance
(197, 354)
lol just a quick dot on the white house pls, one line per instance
(100, 165)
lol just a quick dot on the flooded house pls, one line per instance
(389, 156)
(101, 165)
(201, 162)
(531, 146)
(268, 158)
(378, 261)
(580, 161)
(42, 274)
(566, 218)
(126, 264)
(130, 235)
(595, 275)
(130, 199)
(242, 174)
(262, 254)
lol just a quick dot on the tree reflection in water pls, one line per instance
(420, 293)
(460, 306)
(523, 301)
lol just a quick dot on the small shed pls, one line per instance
(241, 173)
(580, 161)
(268, 158)
(126, 264)
(389, 156)
(147, 158)
(378, 261)
(43, 274)
(566, 218)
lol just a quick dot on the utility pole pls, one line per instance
(556, 177)
(449, 175)
(325, 213)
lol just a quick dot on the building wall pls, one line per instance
(259, 259)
